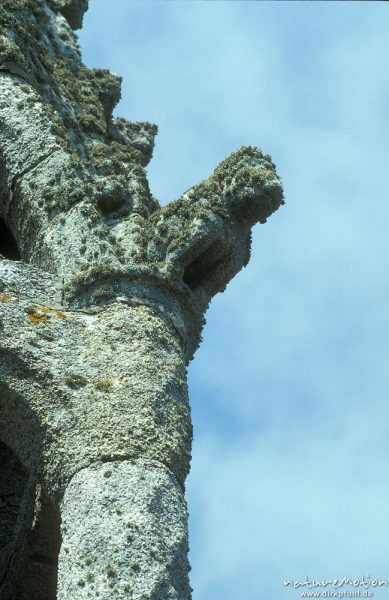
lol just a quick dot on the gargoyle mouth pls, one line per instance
(199, 271)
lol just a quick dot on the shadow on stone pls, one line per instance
(8, 246)
(29, 534)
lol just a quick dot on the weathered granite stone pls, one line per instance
(99, 319)
(134, 543)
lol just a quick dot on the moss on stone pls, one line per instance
(79, 104)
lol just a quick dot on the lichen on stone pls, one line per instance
(40, 314)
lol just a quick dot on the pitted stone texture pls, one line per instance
(124, 535)
(25, 281)
(86, 385)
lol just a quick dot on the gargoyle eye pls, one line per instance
(8, 245)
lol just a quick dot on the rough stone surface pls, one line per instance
(117, 386)
(134, 543)
(99, 319)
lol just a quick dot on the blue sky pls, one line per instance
(289, 390)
